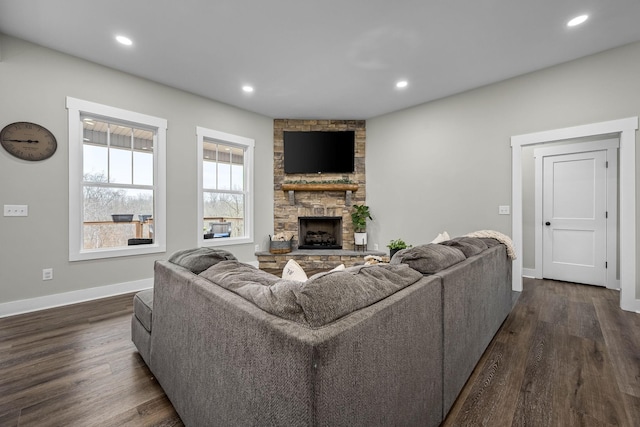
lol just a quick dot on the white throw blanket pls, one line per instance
(502, 238)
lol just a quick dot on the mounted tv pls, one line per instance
(319, 152)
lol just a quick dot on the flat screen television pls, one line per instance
(319, 152)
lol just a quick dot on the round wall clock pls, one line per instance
(28, 141)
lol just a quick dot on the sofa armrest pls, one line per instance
(476, 298)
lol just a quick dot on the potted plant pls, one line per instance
(396, 245)
(359, 218)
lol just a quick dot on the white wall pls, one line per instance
(34, 82)
(444, 165)
(447, 163)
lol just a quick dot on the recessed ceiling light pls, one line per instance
(124, 40)
(577, 20)
(247, 88)
(402, 84)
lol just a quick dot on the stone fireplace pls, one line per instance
(320, 232)
(308, 201)
(327, 196)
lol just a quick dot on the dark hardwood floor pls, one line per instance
(566, 356)
(77, 366)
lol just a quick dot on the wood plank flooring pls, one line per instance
(566, 356)
(77, 366)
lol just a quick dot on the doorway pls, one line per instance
(576, 227)
(625, 129)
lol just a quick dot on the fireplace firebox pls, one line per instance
(319, 232)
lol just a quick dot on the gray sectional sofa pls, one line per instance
(389, 344)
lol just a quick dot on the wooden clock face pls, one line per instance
(28, 141)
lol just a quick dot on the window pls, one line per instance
(116, 182)
(225, 205)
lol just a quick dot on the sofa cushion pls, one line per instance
(489, 241)
(271, 293)
(199, 259)
(469, 246)
(143, 308)
(329, 296)
(429, 258)
(475, 241)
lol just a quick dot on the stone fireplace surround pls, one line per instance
(316, 203)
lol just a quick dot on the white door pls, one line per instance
(574, 216)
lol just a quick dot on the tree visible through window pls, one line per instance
(225, 171)
(223, 190)
(116, 193)
(117, 184)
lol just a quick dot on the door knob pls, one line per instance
(547, 223)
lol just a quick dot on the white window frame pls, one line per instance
(78, 107)
(248, 145)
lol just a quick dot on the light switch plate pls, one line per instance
(16, 210)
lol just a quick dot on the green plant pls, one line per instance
(359, 218)
(398, 244)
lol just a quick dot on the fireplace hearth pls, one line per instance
(319, 233)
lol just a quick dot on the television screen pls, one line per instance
(319, 152)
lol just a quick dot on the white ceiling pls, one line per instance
(324, 58)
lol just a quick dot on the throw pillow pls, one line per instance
(199, 259)
(441, 237)
(293, 271)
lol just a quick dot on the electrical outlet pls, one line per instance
(47, 274)
(503, 210)
(16, 210)
(375, 247)
(257, 248)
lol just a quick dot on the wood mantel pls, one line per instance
(319, 186)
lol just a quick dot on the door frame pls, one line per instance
(609, 145)
(625, 129)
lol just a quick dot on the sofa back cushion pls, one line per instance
(323, 298)
(199, 259)
(330, 296)
(271, 293)
(430, 258)
(469, 246)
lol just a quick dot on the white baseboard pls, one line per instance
(630, 304)
(529, 272)
(13, 308)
